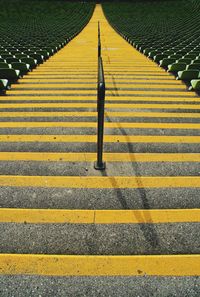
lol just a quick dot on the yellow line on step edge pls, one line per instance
(94, 125)
(52, 86)
(93, 92)
(33, 99)
(99, 182)
(108, 157)
(107, 138)
(58, 216)
(94, 105)
(94, 114)
(25, 81)
(56, 265)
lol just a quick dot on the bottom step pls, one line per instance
(54, 265)
(114, 286)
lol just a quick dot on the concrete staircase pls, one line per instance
(132, 230)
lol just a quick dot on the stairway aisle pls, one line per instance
(134, 228)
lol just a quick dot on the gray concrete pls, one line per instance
(92, 147)
(57, 118)
(93, 131)
(99, 198)
(49, 168)
(95, 239)
(145, 286)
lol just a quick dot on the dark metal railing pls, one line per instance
(101, 89)
(99, 41)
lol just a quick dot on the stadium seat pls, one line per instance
(195, 84)
(31, 61)
(167, 61)
(11, 60)
(9, 74)
(155, 30)
(175, 67)
(22, 67)
(188, 74)
(193, 66)
(5, 65)
(3, 84)
(38, 57)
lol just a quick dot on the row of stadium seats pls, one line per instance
(32, 31)
(164, 31)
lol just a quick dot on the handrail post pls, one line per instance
(99, 164)
(99, 41)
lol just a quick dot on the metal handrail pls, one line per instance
(101, 90)
(99, 41)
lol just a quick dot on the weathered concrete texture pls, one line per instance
(50, 168)
(99, 198)
(93, 131)
(145, 286)
(132, 119)
(92, 147)
(95, 239)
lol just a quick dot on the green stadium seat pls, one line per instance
(20, 56)
(193, 66)
(195, 84)
(190, 56)
(31, 61)
(11, 60)
(9, 74)
(23, 67)
(185, 60)
(44, 53)
(175, 67)
(153, 53)
(159, 57)
(5, 65)
(197, 61)
(3, 84)
(38, 57)
(177, 57)
(188, 74)
(167, 61)
(4, 56)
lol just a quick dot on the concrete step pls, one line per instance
(67, 198)
(77, 286)
(87, 232)
(84, 168)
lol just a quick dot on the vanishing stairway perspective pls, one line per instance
(61, 217)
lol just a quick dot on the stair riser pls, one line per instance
(103, 286)
(136, 239)
(51, 168)
(108, 147)
(160, 198)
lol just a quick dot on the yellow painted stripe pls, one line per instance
(108, 157)
(94, 105)
(127, 80)
(57, 216)
(186, 126)
(93, 98)
(118, 92)
(99, 182)
(56, 265)
(91, 68)
(33, 99)
(94, 114)
(48, 86)
(54, 86)
(85, 75)
(107, 138)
